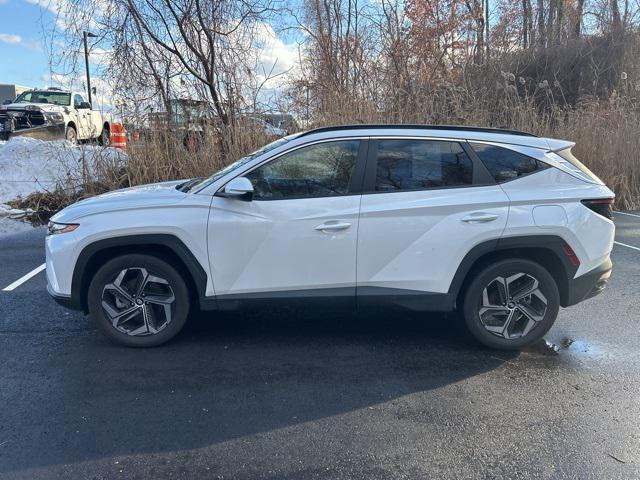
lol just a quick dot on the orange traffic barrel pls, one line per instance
(118, 136)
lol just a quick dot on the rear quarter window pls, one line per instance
(578, 166)
(504, 164)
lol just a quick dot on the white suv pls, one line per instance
(503, 226)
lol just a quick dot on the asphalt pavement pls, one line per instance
(295, 394)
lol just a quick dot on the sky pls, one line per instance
(24, 60)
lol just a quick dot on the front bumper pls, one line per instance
(60, 261)
(64, 300)
(589, 284)
(44, 132)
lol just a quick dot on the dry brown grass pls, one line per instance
(164, 157)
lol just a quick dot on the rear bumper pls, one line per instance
(589, 284)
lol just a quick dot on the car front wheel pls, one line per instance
(139, 300)
(71, 135)
(511, 304)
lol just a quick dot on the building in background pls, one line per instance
(9, 92)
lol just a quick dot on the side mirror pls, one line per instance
(239, 188)
(85, 105)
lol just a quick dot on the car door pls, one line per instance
(297, 236)
(82, 117)
(425, 204)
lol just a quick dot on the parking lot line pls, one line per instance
(628, 246)
(625, 213)
(24, 278)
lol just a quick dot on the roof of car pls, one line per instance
(411, 126)
(497, 135)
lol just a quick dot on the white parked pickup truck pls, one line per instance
(52, 113)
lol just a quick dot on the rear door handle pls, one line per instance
(333, 225)
(480, 217)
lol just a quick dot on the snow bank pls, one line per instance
(28, 165)
(8, 225)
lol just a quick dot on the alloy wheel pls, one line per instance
(138, 303)
(512, 306)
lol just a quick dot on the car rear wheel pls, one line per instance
(105, 137)
(511, 304)
(139, 300)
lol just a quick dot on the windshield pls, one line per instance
(45, 96)
(243, 161)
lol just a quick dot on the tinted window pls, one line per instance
(320, 170)
(419, 164)
(77, 100)
(505, 164)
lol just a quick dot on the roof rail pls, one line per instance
(462, 128)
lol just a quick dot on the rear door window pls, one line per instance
(407, 164)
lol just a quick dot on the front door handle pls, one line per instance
(332, 226)
(480, 217)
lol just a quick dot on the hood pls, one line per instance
(45, 107)
(133, 198)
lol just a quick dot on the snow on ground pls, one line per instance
(9, 225)
(28, 165)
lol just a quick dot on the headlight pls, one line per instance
(53, 117)
(32, 107)
(54, 228)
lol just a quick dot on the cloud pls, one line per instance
(9, 38)
(275, 58)
(274, 51)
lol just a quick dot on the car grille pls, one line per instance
(21, 119)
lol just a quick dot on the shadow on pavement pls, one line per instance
(74, 396)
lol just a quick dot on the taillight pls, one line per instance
(602, 206)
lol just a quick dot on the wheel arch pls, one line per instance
(164, 246)
(546, 250)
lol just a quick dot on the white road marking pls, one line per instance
(628, 246)
(23, 279)
(625, 213)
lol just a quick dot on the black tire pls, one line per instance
(105, 137)
(134, 264)
(71, 135)
(489, 278)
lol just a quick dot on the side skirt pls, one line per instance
(361, 298)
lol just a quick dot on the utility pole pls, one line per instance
(86, 35)
(487, 28)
